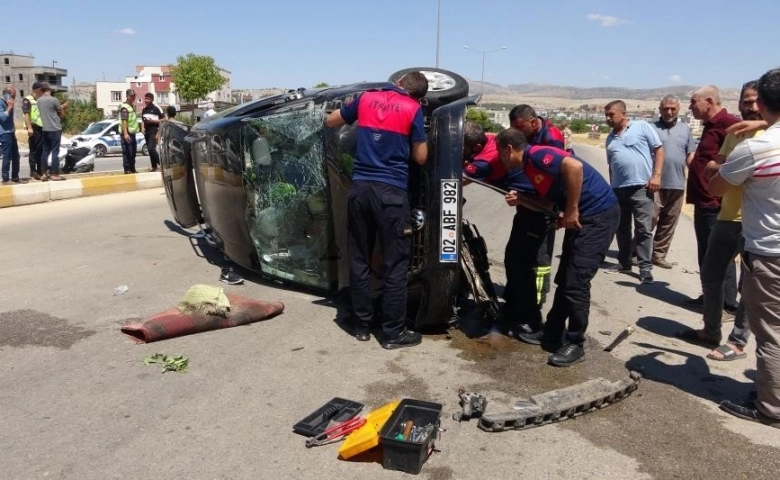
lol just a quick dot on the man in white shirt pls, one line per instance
(755, 164)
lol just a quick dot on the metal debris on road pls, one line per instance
(121, 290)
(621, 336)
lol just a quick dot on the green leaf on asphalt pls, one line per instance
(178, 363)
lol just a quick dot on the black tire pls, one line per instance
(145, 151)
(443, 86)
(100, 150)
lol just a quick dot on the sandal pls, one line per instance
(698, 337)
(727, 354)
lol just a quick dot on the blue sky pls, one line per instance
(269, 43)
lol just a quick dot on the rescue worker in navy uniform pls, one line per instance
(390, 127)
(523, 295)
(127, 130)
(34, 124)
(531, 229)
(590, 215)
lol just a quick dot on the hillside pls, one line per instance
(557, 96)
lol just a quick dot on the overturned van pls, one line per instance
(270, 182)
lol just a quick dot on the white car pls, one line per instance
(103, 138)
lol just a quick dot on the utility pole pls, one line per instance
(438, 32)
(484, 54)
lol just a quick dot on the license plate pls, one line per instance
(448, 249)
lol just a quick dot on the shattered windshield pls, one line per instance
(289, 213)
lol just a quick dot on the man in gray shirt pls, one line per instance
(51, 113)
(679, 147)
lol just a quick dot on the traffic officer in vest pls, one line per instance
(129, 127)
(34, 124)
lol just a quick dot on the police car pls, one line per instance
(103, 138)
(270, 183)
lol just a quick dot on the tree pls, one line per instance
(80, 113)
(195, 76)
(579, 126)
(322, 85)
(480, 117)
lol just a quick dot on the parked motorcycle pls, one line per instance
(76, 159)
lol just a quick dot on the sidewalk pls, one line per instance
(41, 192)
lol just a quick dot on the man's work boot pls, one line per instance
(362, 334)
(407, 338)
(567, 356)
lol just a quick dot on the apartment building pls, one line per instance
(21, 72)
(157, 80)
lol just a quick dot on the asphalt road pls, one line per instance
(113, 163)
(78, 402)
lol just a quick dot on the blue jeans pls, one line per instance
(10, 156)
(51, 146)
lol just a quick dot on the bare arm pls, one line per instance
(689, 159)
(718, 186)
(28, 123)
(571, 170)
(62, 110)
(334, 119)
(658, 165)
(420, 152)
(746, 126)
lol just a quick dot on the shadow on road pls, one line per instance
(199, 244)
(693, 376)
(661, 326)
(661, 291)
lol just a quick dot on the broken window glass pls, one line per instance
(289, 214)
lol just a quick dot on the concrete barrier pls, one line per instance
(40, 192)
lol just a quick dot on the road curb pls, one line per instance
(41, 192)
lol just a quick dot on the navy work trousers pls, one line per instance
(581, 256)
(527, 261)
(380, 210)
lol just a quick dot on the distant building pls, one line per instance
(500, 117)
(81, 92)
(157, 80)
(21, 72)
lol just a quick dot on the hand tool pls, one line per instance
(336, 432)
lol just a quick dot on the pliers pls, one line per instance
(335, 433)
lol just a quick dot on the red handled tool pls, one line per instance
(336, 432)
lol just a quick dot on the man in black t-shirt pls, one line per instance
(151, 115)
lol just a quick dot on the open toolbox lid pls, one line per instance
(337, 410)
(367, 437)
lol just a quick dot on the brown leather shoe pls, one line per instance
(663, 264)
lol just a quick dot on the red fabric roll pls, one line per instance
(172, 323)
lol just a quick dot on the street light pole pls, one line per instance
(484, 54)
(438, 32)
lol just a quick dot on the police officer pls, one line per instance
(390, 127)
(34, 125)
(128, 128)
